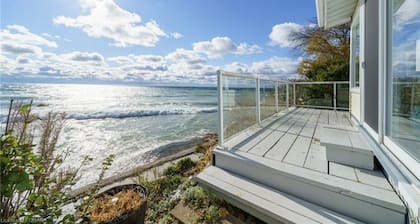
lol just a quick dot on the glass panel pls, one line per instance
(343, 95)
(291, 95)
(314, 95)
(403, 123)
(355, 29)
(282, 96)
(267, 98)
(239, 105)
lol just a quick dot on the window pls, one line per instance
(355, 43)
(403, 81)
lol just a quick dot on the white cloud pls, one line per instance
(21, 58)
(94, 57)
(180, 66)
(188, 56)
(106, 19)
(218, 46)
(17, 49)
(177, 35)
(279, 67)
(280, 34)
(407, 13)
(18, 35)
(276, 65)
(120, 59)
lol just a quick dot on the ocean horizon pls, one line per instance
(128, 121)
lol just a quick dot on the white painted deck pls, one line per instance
(284, 208)
(284, 154)
(294, 138)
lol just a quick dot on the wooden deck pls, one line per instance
(294, 139)
(284, 154)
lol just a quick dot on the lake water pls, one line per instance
(127, 121)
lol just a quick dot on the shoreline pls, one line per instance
(159, 156)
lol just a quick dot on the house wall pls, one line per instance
(371, 76)
(355, 105)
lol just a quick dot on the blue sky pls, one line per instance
(148, 41)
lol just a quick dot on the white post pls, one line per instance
(294, 94)
(257, 89)
(276, 91)
(335, 95)
(220, 107)
(287, 96)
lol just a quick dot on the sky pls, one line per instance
(148, 41)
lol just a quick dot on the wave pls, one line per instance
(143, 113)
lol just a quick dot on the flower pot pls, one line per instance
(135, 216)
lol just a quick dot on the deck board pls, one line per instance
(249, 143)
(263, 146)
(343, 171)
(298, 151)
(317, 158)
(373, 178)
(332, 118)
(280, 149)
(308, 130)
(235, 140)
(323, 119)
(284, 127)
(343, 118)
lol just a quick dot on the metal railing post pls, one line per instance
(276, 91)
(294, 94)
(258, 100)
(287, 95)
(335, 95)
(220, 107)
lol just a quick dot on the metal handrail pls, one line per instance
(322, 82)
(221, 74)
(251, 76)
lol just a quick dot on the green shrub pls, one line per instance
(196, 197)
(180, 167)
(33, 186)
(212, 214)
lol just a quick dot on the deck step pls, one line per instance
(347, 146)
(267, 204)
(360, 201)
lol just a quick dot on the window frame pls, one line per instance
(386, 95)
(357, 19)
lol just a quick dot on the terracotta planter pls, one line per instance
(133, 217)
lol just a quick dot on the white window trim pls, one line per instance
(362, 28)
(400, 166)
(385, 99)
(404, 157)
(353, 87)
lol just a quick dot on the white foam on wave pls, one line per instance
(141, 113)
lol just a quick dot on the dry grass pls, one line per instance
(107, 207)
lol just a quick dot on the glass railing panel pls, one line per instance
(239, 104)
(282, 98)
(342, 95)
(267, 98)
(291, 95)
(314, 95)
